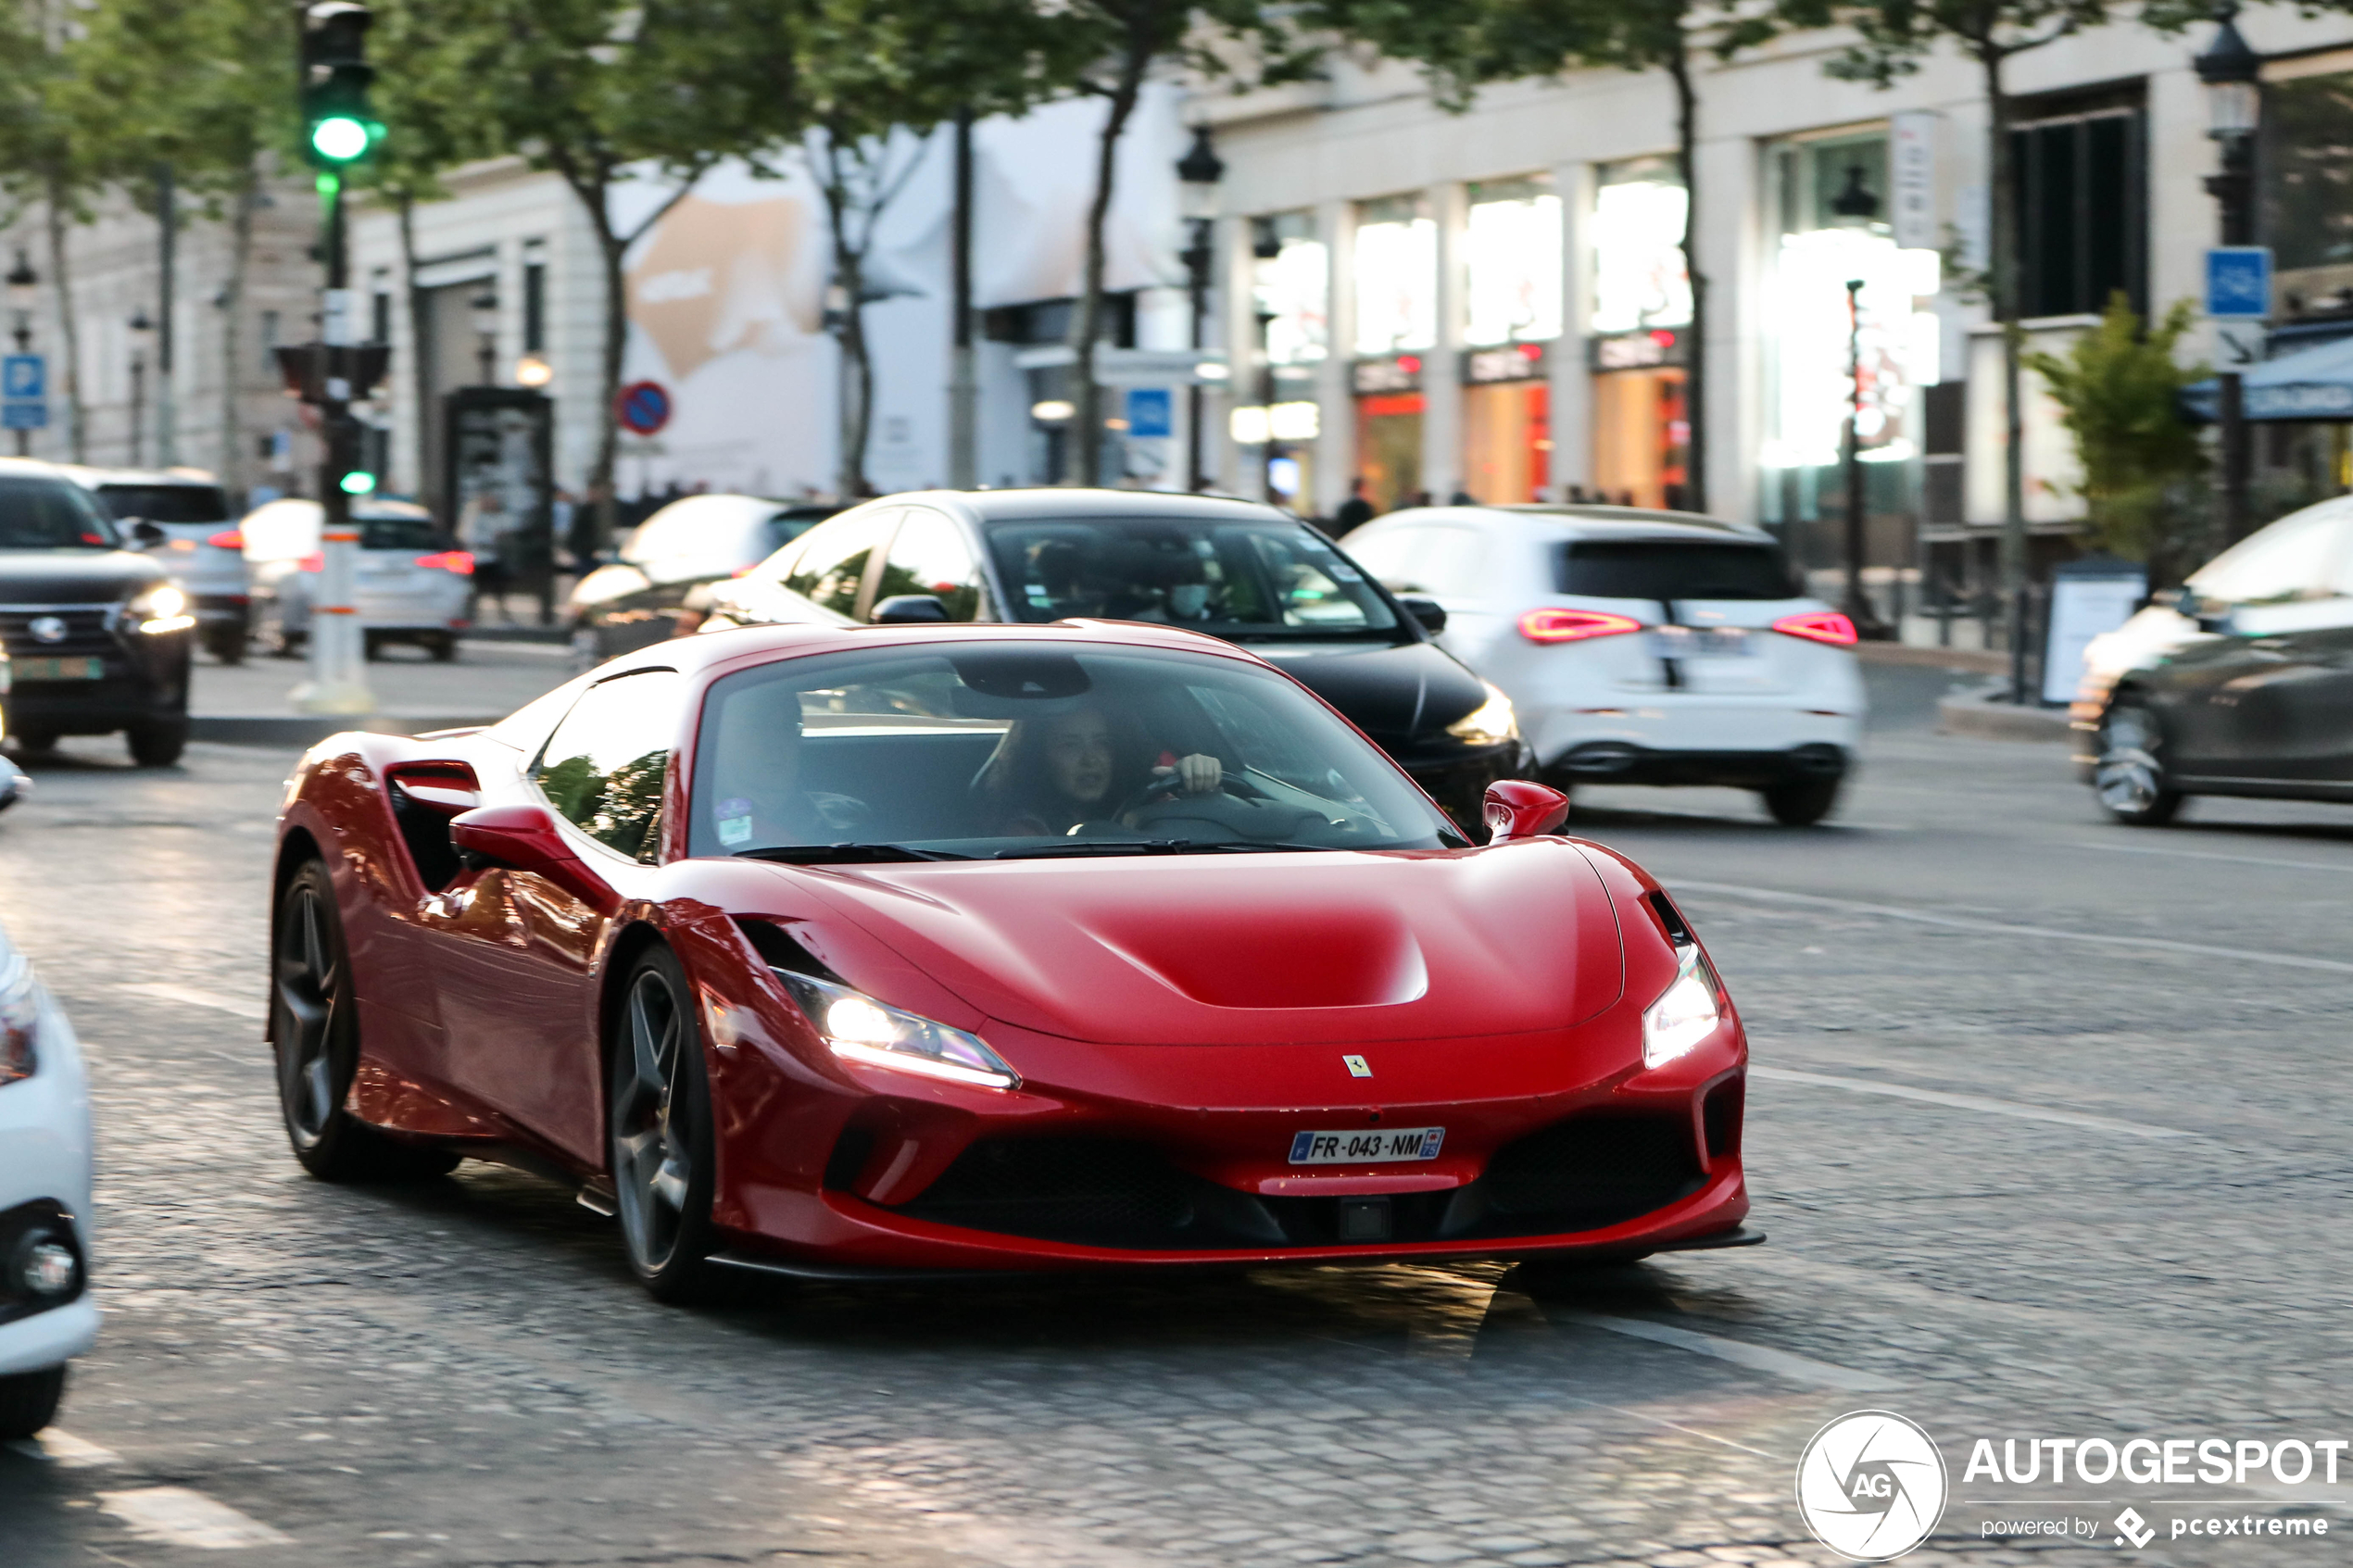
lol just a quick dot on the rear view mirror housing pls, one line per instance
(910, 610)
(1522, 808)
(1427, 611)
(145, 535)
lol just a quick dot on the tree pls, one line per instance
(878, 76)
(1127, 41)
(1895, 33)
(604, 91)
(2118, 388)
(1464, 46)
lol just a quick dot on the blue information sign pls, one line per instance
(24, 377)
(2238, 282)
(24, 416)
(1150, 411)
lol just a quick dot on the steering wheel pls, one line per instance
(1173, 784)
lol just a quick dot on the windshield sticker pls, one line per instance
(734, 821)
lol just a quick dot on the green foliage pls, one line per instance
(1895, 33)
(2118, 388)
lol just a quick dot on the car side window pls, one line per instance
(605, 766)
(930, 555)
(833, 561)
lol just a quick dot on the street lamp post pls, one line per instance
(1199, 171)
(23, 286)
(2229, 70)
(1859, 606)
(140, 327)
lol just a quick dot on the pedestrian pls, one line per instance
(1421, 498)
(1355, 511)
(1462, 499)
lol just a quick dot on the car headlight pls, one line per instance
(19, 1019)
(858, 1028)
(1686, 1012)
(162, 608)
(1490, 723)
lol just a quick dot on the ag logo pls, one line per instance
(46, 628)
(1870, 1485)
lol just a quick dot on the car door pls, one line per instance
(2275, 698)
(518, 1008)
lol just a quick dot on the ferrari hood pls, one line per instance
(1256, 949)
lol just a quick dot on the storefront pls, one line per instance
(1395, 280)
(1511, 305)
(1290, 284)
(1642, 308)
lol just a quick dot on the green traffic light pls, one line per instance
(339, 138)
(359, 482)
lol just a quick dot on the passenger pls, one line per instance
(1051, 776)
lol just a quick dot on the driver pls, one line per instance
(755, 788)
(1052, 773)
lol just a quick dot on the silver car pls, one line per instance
(201, 550)
(413, 584)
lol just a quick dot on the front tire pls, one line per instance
(1802, 802)
(659, 1138)
(28, 1401)
(2130, 777)
(160, 744)
(315, 1026)
(226, 642)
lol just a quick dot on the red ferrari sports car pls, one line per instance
(834, 952)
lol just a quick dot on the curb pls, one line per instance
(1977, 714)
(307, 730)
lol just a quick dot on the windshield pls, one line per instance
(1663, 569)
(51, 514)
(1238, 580)
(1010, 750)
(400, 532)
(165, 503)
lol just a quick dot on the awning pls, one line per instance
(2312, 384)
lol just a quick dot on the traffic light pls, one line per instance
(338, 124)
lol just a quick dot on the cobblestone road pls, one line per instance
(2048, 1134)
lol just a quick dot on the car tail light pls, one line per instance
(457, 562)
(1574, 625)
(227, 539)
(1817, 626)
(315, 561)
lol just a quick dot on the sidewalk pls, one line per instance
(247, 704)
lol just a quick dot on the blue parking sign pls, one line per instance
(24, 377)
(1150, 411)
(24, 416)
(2238, 282)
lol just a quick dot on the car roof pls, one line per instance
(1055, 503)
(93, 477)
(750, 645)
(1587, 521)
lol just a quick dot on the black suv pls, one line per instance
(98, 637)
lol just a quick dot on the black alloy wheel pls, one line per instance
(661, 1130)
(28, 1401)
(35, 743)
(2130, 776)
(158, 743)
(1800, 803)
(316, 1031)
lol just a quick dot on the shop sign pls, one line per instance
(1401, 372)
(1638, 351)
(1911, 157)
(1518, 361)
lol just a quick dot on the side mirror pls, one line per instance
(1518, 809)
(910, 610)
(523, 838)
(1429, 611)
(146, 535)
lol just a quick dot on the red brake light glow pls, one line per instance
(1817, 626)
(227, 539)
(457, 562)
(315, 561)
(1574, 625)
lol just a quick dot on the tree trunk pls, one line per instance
(2002, 245)
(610, 251)
(413, 297)
(232, 335)
(69, 321)
(1695, 336)
(1087, 426)
(854, 419)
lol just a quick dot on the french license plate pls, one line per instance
(1700, 642)
(61, 669)
(1377, 1145)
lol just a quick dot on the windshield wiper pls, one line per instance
(1147, 847)
(844, 854)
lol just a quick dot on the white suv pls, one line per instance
(1640, 647)
(46, 1316)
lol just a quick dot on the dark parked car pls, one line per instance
(688, 545)
(1235, 569)
(97, 636)
(202, 551)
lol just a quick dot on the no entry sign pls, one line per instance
(643, 407)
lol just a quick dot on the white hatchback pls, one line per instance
(46, 1316)
(1640, 647)
(414, 584)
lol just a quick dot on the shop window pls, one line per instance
(2081, 212)
(2306, 168)
(1396, 275)
(1640, 282)
(1512, 262)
